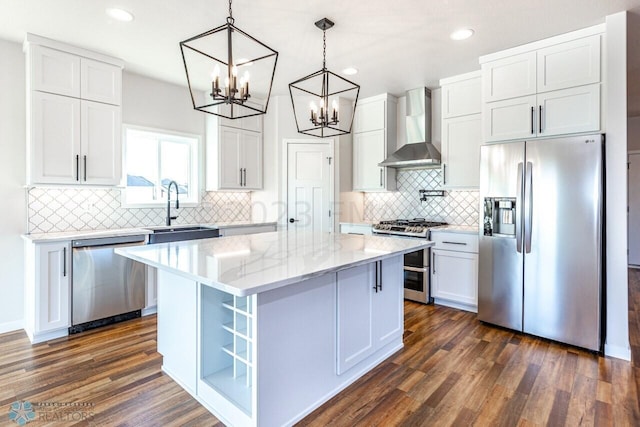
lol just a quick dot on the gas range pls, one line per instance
(416, 227)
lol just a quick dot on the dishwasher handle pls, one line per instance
(137, 239)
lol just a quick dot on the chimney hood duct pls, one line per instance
(418, 152)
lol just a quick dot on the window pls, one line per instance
(154, 158)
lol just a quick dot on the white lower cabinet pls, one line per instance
(47, 290)
(369, 310)
(454, 270)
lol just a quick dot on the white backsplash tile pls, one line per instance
(456, 207)
(67, 209)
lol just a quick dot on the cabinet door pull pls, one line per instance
(64, 261)
(240, 177)
(244, 175)
(85, 168)
(454, 243)
(533, 109)
(444, 174)
(77, 167)
(381, 178)
(376, 281)
(540, 119)
(433, 261)
(380, 275)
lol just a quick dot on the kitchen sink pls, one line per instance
(176, 234)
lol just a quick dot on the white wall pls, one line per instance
(12, 180)
(157, 104)
(617, 341)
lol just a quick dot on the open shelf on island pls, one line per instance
(228, 348)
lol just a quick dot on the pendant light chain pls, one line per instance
(230, 19)
(324, 49)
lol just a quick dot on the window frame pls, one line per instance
(196, 162)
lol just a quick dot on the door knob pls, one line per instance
(291, 220)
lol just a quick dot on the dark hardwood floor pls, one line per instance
(453, 370)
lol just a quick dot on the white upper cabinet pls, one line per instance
(100, 82)
(54, 139)
(570, 64)
(461, 130)
(74, 115)
(55, 71)
(100, 143)
(234, 156)
(370, 115)
(509, 77)
(374, 137)
(547, 88)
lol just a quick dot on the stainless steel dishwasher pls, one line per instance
(105, 287)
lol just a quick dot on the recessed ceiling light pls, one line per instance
(350, 71)
(462, 34)
(120, 14)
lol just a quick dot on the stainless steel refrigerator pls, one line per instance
(541, 238)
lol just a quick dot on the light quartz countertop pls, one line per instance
(250, 264)
(464, 229)
(365, 223)
(92, 234)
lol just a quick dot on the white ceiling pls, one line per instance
(396, 45)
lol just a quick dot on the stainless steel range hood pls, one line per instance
(418, 151)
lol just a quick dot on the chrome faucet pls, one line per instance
(169, 217)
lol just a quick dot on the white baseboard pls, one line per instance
(455, 304)
(16, 325)
(618, 352)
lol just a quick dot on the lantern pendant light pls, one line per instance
(324, 102)
(219, 65)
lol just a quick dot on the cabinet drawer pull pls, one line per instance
(453, 243)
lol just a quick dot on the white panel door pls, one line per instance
(100, 82)
(55, 139)
(53, 263)
(355, 315)
(229, 164)
(510, 119)
(309, 186)
(54, 71)
(461, 140)
(634, 209)
(510, 77)
(368, 151)
(388, 302)
(251, 155)
(101, 137)
(570, 64)
(569, 111)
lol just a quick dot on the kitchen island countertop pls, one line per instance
(250, 264)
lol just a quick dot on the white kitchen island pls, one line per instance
(262, 329)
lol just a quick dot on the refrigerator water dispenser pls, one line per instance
(499, 216)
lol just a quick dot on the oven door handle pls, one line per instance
(417, 270)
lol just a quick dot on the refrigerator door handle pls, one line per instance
(519, 208)
(528, 209)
